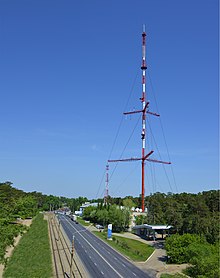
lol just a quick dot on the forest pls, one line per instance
(194, 217)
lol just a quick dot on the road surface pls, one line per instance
(99, 259)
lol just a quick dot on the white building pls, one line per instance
(83, 206)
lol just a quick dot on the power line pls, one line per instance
(154, 95)
(117, 133)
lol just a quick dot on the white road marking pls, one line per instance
(134, 274)
(96, 251)
(102, 273)
(123, 265)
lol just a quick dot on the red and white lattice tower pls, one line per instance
(144, 111)
(106, 185)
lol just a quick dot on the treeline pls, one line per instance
(105, 214)
(187, 213)
(16, 204)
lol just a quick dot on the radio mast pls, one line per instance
(144, 111)
(106, 185)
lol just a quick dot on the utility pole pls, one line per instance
(72, 252)
(144, 111)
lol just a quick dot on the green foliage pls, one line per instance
(187, 213)
(195, 214)
(25, 207)
(205, 260)
(8, 232)
(118, 217)
(14, 203)
(176, 275)
(195, 250)
(128, 203)
(176, 247)
(32, 257)
(141, 219)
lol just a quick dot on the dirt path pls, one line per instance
(10, 249)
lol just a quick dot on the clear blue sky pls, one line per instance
(67, 69)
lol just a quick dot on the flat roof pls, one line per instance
(88, 205)
(153, 227)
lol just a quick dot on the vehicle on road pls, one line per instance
(74, 218)
(100, 227)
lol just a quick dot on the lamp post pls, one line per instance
(73, 249)
(72, 252)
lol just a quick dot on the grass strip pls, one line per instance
(32, 256)
(176, 275)
(131, 248)
(83, 222)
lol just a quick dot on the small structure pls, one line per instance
(135, 212)
(83, 206)
(152, 232)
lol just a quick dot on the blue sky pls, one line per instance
(69, 69)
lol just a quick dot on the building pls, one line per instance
(152, 232)
(83, 206)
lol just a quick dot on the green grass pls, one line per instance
(133, 249)
(82, 222)
(177, 275)
(32, 257)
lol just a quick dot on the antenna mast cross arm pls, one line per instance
(132, 158)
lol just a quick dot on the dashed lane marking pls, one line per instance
(97, 252)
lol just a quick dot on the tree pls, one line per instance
(141, 219)
(25, 207)
(102, 217)
(205, 260)
(128, 203)
(87, 212)
(176, 246)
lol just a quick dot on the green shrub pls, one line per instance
(192, 249)
(8, 232)
(177, 245)
(205, 260)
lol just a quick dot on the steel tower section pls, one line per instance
(143, 99)
(144, 111)
(106, 185)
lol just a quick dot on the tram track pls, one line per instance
(65, 263)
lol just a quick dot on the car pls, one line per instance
(100, 227)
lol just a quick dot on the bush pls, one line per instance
(177, 245)
(205, 260)
(7, 234)
(193, 249)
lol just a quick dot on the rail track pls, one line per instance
(65, 264)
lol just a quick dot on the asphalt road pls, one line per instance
(99, 259)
